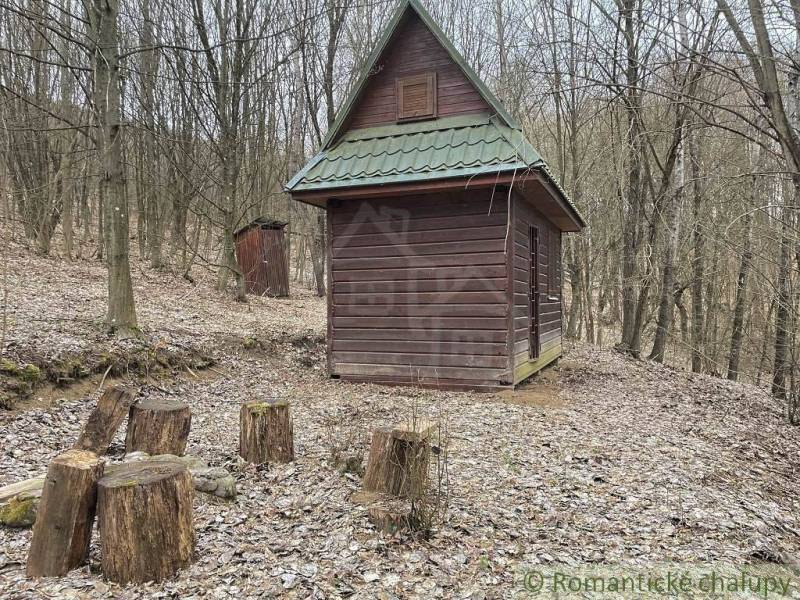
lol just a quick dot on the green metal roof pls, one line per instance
(445, 148)
(462, 146)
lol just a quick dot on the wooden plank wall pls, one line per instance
(419, 290)
(261, 255)
(249, 255)
(526, 216)
(414, 50)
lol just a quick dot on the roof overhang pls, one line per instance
(535, 186)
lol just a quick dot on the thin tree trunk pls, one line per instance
(121, 308)
(740, 305)
(783, 310)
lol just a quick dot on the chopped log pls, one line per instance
(144, 512)
(398, 460)
(112, 407)
(64, 521)
(158, 427)
(210, 480)
(266, 432)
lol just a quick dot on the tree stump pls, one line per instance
(105, 419)
(266, 433)
(65, 516)
(144, 512)
(158, 427)
(398, 460)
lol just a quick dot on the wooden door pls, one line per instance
(276, 266)
(533, 293)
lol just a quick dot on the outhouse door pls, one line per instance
(533, 293)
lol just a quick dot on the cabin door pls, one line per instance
(533, 293)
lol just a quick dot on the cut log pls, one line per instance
(65, 516)
(112, 407)
(266, 433)
(398, 460)
(210, 480)
(158, 427)
(144, 512)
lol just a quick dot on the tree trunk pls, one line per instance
(111, 410)
(65, 516)
(266, 432)
(740, 305)
(575, 281)
(698, 259)
(782, 315)
(158, 427)
(103, 14)
(144, 513)
(631, 229)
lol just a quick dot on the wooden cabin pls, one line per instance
(444, 225)
(262, 258)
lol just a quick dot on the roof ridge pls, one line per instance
(403, 7)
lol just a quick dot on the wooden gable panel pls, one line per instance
(414, 50)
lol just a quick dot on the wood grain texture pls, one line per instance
(414, 50)
(424, 269)
(63, 526)
(158, 426)
(397, 463)
(266, 432)
(105, 419)
(261, 256)
(550, 311)
(144, 514)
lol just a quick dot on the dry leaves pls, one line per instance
(628, 461)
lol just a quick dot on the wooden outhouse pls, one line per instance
(261, 255)
(444, 224)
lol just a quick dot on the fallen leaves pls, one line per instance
(620, 461)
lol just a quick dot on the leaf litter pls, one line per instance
(603, 460)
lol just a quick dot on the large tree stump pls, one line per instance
(65, 516)
(266, 433)
(398, 460)
(158, 427)
(144, 512)
(112, 407)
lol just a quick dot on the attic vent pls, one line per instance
(416, 97)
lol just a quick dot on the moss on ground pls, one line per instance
(19, 512)
(20, 378)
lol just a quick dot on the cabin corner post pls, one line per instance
(329, 288)
(510, 251)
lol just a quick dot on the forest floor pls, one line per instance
(602, 460)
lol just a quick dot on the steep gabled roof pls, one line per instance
(453, 147)
(402, 9)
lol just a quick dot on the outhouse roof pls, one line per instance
(264, 223)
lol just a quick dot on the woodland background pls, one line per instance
(134, 130)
